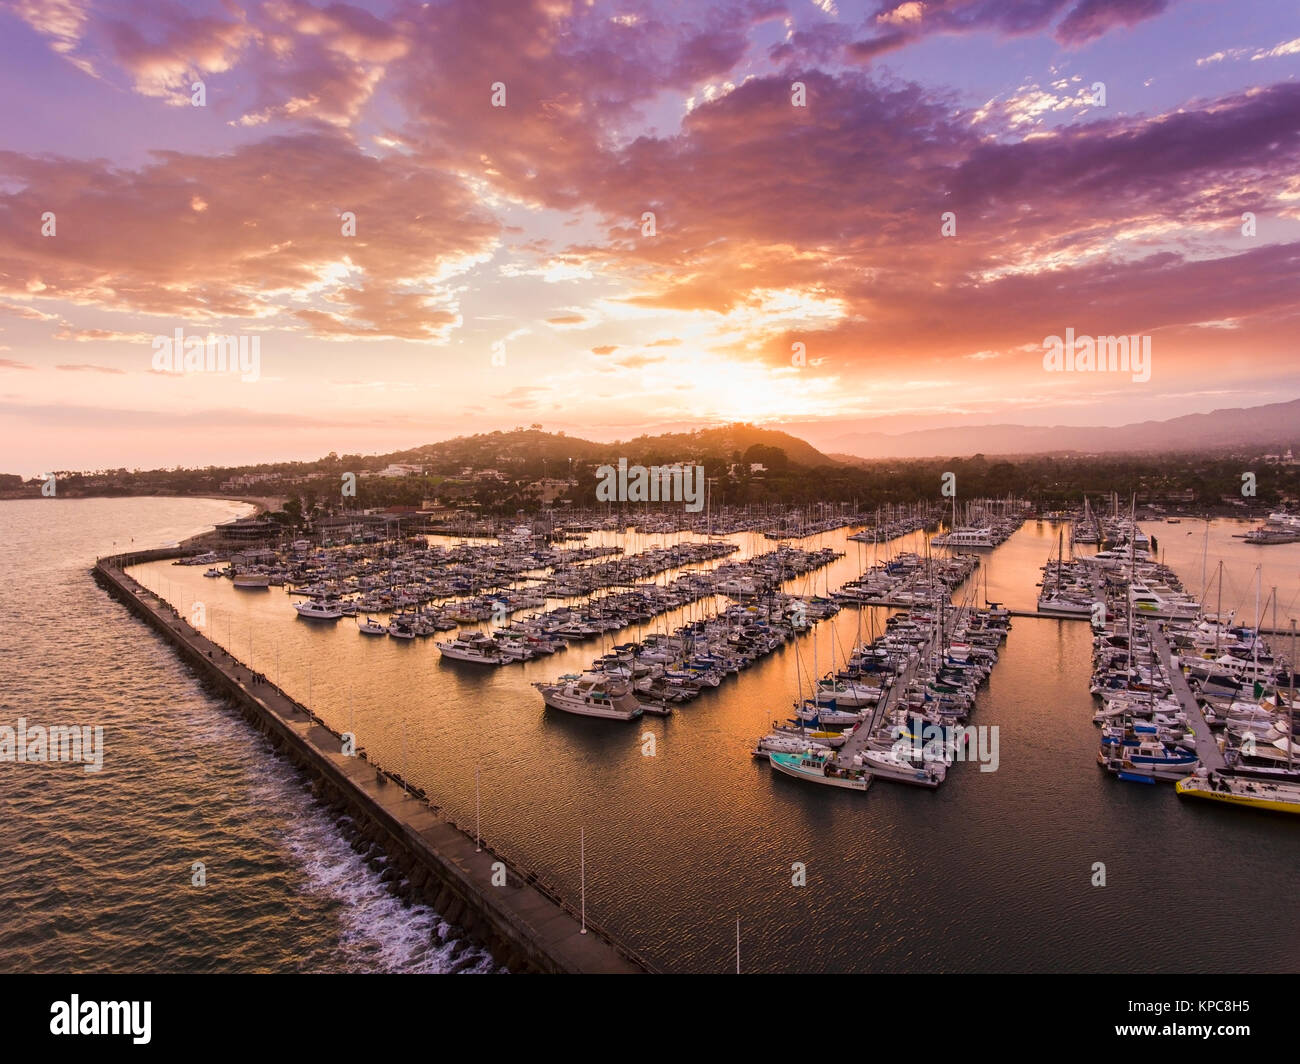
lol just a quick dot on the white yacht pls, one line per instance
(318, 610)
(888, 765)
(1162, 603)
(847, 694)
(592, 695)
(965, 537)
(370, 626)
(474, 647)
(1058, 602)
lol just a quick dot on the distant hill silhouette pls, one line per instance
(1274, 426)
(722, 444)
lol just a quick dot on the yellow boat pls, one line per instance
(1282, 797)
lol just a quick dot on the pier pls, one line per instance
(525, 924)
(1048, 615)
(1206, 748)
(857, 742)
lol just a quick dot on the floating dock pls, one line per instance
(857, 742)
(1206, 747)
(524, 923)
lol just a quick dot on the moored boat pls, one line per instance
(474, 647)
(822, 767)
(592, 695)
(318, 610)
(1281, 796)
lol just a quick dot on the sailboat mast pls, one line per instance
(1259, 619)
(1290, 704)
(798, 689)
(1205, 550)
(1218, 611)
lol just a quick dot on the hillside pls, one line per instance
(1275, 426)
(721, 444)
(534, 445)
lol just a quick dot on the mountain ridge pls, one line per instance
(1269, 425)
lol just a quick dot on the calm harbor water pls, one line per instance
(991, 873)
(97, 868)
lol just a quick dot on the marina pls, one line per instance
(444, 744)
(556, 488)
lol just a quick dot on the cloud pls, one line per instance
(17, 310)
(1090, 19)
(67, 331)
(638, 361)
(85, 367)
(268, 247)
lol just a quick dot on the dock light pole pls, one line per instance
(478, 807)
(737, 945)
(583, 842)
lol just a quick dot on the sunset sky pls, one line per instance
(519, 228)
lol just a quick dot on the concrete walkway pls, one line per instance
(1207, 749)
(534, 921)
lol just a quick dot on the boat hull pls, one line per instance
(580, 708)
(791, 765)
(1267, 797)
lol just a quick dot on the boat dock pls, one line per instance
(523, 921)
(1048, 615)
(1206, 747)
(857, 742)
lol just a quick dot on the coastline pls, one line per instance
(526, 925)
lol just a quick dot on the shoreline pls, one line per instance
(524, 924)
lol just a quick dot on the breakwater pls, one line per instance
(527, 926)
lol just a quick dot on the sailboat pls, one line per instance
(1274, 795)
(1278, 796)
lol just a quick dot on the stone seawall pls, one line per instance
(526, 925)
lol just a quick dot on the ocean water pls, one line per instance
(98, 867)
(993, 872)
